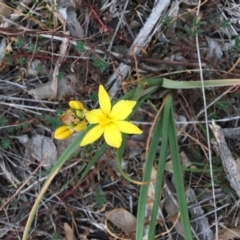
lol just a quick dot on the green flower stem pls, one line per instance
(57, 167)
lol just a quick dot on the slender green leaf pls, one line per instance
(161, 166)
(177, 173)
(146, 177)
(171, 84)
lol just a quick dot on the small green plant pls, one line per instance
(20, 60)
(37, 69)
(61, 75)
(5, 143)
(222, 104)
(56, 236)
(100, 64)
(93, 96)
(8, 59)
(166, 22)
(20, 42)
(80, 46)
(213, 115)
(31, 48)
(3, 121)
(225, 23)
(10, 129)
(237, 44)
(53, 121)
(99, 195)
(23, 124)
(195, 28)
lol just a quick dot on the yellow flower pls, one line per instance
(73, 120)
(110, 120)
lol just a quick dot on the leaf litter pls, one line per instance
(55, 51)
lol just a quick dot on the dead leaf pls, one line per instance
(37, 68)
(67, 9)
(5, 11)
(228, 233)
(122, 219)
(66, 86)
(185, 162)
(73, 24)
(214, 50)
(69, 234)
(199, 221)
(39, 148)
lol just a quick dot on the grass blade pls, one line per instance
(161, 165)
(146, 177)
(177, 173)
(171, 84)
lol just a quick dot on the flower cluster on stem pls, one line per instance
(109, 121)
(73, 121)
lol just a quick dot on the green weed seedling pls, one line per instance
(61, 75)
(80, 46)
(195, 28)
(3, 121)
(236, 46)
(167, 21)
(100, 64)
(5, 143)
(53, 121)
(99, 195)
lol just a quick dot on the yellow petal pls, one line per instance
(113, 136)
(122, 109)
(104, 100)
(63, 132)
(92, 135)
(80, 126)
(94, 116)
(76, 105)
(127, 127)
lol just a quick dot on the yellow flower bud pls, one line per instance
(63, 132)
(80, 126)
(76, 105)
